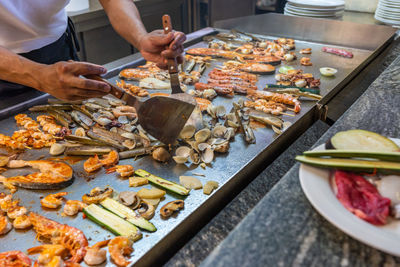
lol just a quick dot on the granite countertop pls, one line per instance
(284, 229)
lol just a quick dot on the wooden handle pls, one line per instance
(167, 26)
(115, 91)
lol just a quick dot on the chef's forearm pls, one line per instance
(17, 69)
(125, 19)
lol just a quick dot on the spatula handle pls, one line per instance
(167, 25)
(115, 91)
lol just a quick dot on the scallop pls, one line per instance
(288, 57)
(300, 83)
(219, 131)
(202, 135)
(187, 131)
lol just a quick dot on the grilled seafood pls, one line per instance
(48, 252)
(14, 212)
(95, 255)
(305, 51)
(220, 90)
(49, 124)
(305, 61)
(286, 43)
(51, 175)
(96, 195)
(216, 74)
(72, 207)
(266, 106)
(257, 68)
(276, 97)
(7, 203)
(60, 234)
(202, 103)
(297, 78)
(337, 51)
(53, 201)
(122, 170)
(118, 247)
(132, 89)
(5, 225)
(22, 222)
(134, 74)
(92, 164)
(14, 258)
(110, 159)
(127, 111)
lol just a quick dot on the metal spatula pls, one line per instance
(160, 116)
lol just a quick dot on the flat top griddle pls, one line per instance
(229, 169)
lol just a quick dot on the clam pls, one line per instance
(221, 147)
(202, 135)
(128, 127)
(129, 144)
(300, 82)
(219, 131)
(187, 131)
(203, 146)
(208, 155)
(80, 132)
(209, 94)
(194, 157)
(57, 149)
(182, 154)
(161, 154)
(216, 111)
(229, 133)
(123, 119)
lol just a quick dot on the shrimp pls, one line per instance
(7, 203)
(60, 234)
(276, 97)
(14, 258)
(92, 164)
(22, 222)
(123, 170)
(95, 255)
(305, 61)
(132, 89)
(48, 252)
(53, 201)
(266, 106)
(128, 111)
(110, 159)
(16, 212)
(220, 90)
(202, 103)
(118, 247)
(5, 225)
(72, 207)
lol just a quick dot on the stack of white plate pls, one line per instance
(388, 12)
(327, 9)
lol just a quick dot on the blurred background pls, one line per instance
(101, 44)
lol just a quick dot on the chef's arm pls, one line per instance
(60, 79)
(125, 19)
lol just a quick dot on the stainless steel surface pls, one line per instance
(232, 170)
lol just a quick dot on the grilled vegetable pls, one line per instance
(361, 140)
(309, 90)
(176, 188)
(326, 71)
(127, 214)
(168, 209)
(112, 222)
(351, 164)
(387, 156)
(151, 193)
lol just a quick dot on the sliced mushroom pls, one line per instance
(96, 195)
(168, 209)
(129, 198)
(161, 154)
(146, 210)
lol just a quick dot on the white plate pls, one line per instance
(291, 8)
(387, 17)
(318, 3)
(333, 9)
(389, 8)
(316, 186)
(313, 15)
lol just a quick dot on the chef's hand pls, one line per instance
(152, 47)
(63, 80)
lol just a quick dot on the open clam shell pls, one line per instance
(219, 131)
(208, 155)
(202, 135)
(182, 154)
(187, 131)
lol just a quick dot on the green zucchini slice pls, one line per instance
(128, 214)
(174, 187)
(352, 164)
(341, 153)
(361, 140)
(112, 222)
